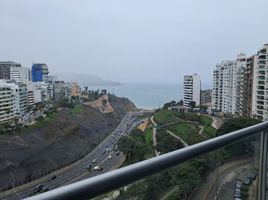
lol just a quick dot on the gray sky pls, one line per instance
(132, 41)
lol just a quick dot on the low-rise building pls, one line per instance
(61, 91)
(75, 90)
(206, 96)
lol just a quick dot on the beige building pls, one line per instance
(75, 90)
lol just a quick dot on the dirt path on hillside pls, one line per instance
(157, 153)
(177, 137)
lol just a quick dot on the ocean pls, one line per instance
(146, 95)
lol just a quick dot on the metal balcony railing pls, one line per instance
(92, 187)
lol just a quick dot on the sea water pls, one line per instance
(146, 95)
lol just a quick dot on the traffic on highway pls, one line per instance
(103, 158)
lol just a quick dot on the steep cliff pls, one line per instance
(66, 138)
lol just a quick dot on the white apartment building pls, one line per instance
(51, 81)
(262, 84)
(191, 89)
(254, 86)
(225, 93)
(19, 74)
(6, 102)
(37, 92)
(13, 100)
(21, 100)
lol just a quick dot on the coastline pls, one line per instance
(145, 95)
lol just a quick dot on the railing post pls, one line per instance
(263, 166)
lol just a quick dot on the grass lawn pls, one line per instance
(205, 120)
(184, 130)
(164, 117)
(148, 133)
(44, 121)
(76, 110)
(210, 131)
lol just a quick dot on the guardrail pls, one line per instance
(106, 182)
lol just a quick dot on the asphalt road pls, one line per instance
(78, 170)
(227, 183)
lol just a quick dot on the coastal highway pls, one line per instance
(105, 155)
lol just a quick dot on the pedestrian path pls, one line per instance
(175, 136)
(157, 153)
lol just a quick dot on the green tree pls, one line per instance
(242, 147)
(180, 103)
(2, 129)
(167, 105)
(235, 124)
(192, 104)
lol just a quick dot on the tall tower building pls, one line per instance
(191, 88)
(247, 89)
(20, 74)
(227, 80)
(5, 69)
(40, 72)
(262, 84)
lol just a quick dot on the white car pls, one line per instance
(110, 157)
(98, 168)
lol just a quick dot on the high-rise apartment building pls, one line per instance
(21, 100)
(247, 88)
(51, 81)
(5, 69)
(6, 101)
(221, 82)
(262, 84)
(226, 83)
(13, 100)
(20, 74)
(191, 88)
(40, 72)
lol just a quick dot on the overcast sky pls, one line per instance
(131, 41)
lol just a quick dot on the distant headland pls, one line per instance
(86, 79)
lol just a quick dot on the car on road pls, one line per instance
(38, 188)
(247, 181)
(238, 184)
(110, 157)
(94, 161)
(89, 167)
(103, 152)
(52, 178)
(237, 195)
(252, 176)
(98, 168)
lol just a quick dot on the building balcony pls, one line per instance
(245, 166)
